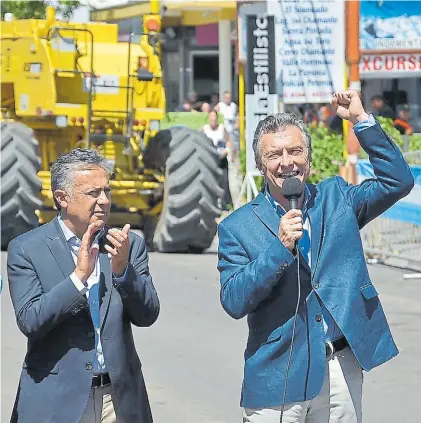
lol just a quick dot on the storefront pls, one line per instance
(198, 44)
(390, 42)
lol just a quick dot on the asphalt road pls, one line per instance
(192, 356)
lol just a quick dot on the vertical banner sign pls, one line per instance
(261, 97)
(310, 49)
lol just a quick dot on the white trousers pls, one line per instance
(339, 400)
(100, 407)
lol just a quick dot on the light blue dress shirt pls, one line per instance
(364, 124)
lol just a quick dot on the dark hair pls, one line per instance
(274, 123)
(67, 164)
(377, 97)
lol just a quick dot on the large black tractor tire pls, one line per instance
(20, 185)
(192, 190)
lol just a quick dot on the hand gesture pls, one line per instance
(120, 253)
(291, 228)
(348, 106)
(87, 256)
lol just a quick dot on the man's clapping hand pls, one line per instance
(88, 253)
(120, 251)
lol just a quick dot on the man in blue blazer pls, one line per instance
(340, 327)
(77, 286)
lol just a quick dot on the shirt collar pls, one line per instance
(68, 234)
(278, 208)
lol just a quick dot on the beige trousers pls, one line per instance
(339, 400)
(100, 407)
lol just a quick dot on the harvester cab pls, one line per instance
(67, 85)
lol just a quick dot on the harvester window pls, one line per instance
(143, 63)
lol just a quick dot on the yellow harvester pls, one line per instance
(66, 85)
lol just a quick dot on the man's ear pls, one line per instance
(62, 198)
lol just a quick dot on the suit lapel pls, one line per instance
(317, 226)
(265, 212)
(59, 249)
(105, 286)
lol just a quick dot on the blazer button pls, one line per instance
(316, 286)
(89, 366)
(318, 318)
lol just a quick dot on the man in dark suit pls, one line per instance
(77, 286)
(340, 327)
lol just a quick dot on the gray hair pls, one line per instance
(64, 167)
(274, 123)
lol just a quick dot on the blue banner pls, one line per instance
(409, 208)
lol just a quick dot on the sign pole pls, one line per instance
(261, 98)
(352, 49)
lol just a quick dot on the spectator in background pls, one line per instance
(380, 108)
(235, 142)
(309, 115)
(329, 119)
(214, 100)
(205, 107)
(195, 104)
(401, 123)
(222, 143)
(325, 116)
(229, 110)
(185, 107)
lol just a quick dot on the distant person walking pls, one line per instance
(228, 109)
(217, 133)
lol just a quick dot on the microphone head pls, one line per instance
(292, 188)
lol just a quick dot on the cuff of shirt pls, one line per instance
(364, 124)
(80, 286)
(120, 278)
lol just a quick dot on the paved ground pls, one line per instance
(192, 356)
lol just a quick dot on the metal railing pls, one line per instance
(393, 241)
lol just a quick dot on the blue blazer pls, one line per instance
(57, 371)
(258, 278)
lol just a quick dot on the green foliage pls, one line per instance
(387, 125)
(67, 7)
(327, 153)
(414, 143)
(242, 158)
(36, 9)
(24, 9)
(193, 120)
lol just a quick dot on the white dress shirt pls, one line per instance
(74, 244)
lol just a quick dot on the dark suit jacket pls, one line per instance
(54, 316)
(258, 278)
